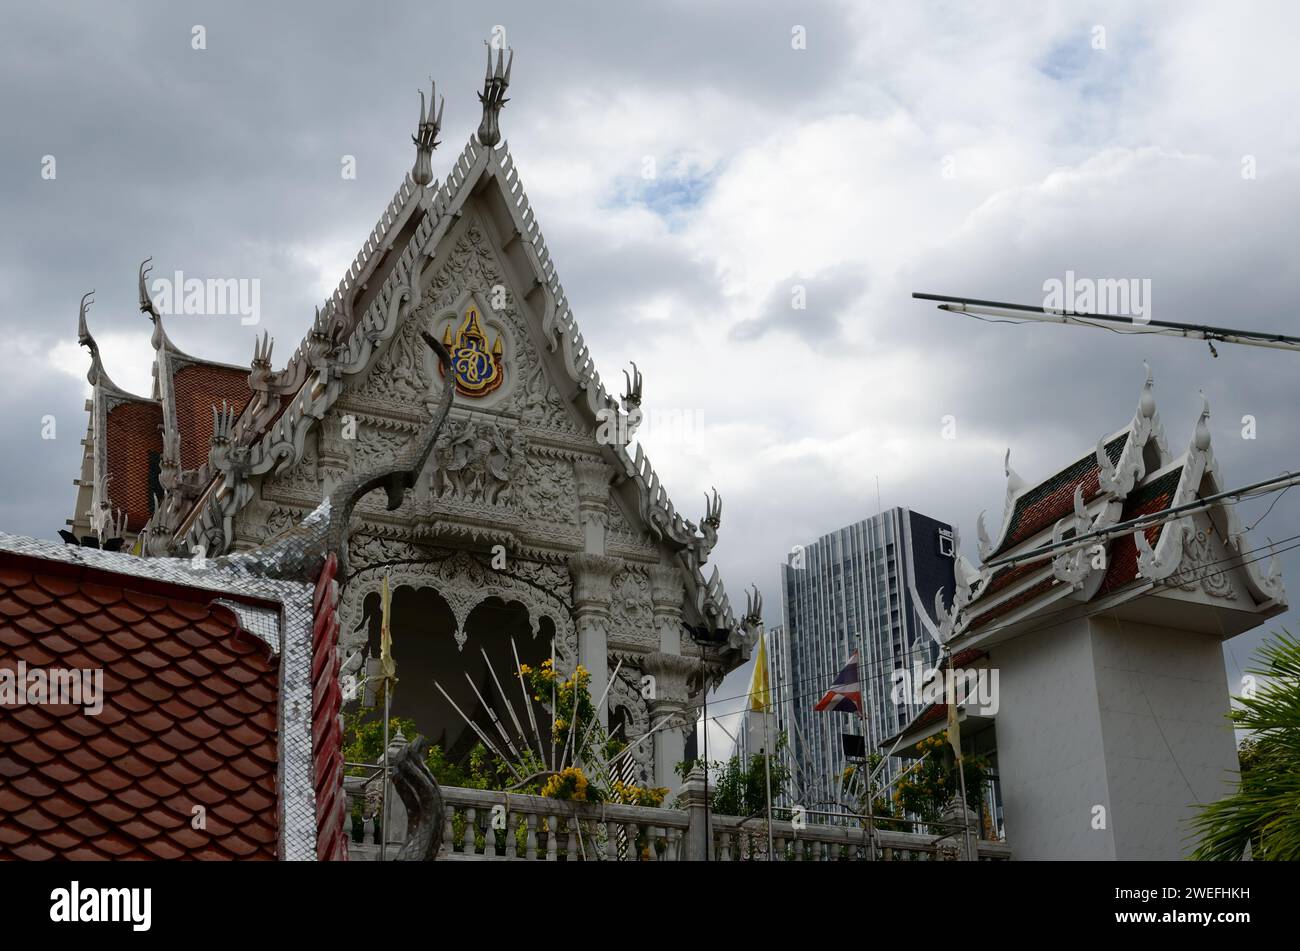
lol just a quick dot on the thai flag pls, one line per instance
(845, 693)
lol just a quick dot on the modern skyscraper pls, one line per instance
(855, 589)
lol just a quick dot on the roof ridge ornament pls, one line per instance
(83, 331)
(982, 533)
(1014, 482)
(85, 339)
(492, 97)
(426, 136)
(146, 302)
(1201, 435)
(1147, 401)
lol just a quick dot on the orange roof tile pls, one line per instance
(197, 387)
(134, 440)
(189, 719)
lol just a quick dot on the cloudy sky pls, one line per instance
(978, 150)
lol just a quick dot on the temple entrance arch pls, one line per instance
(472, 660)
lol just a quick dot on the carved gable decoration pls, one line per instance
(1201, 566)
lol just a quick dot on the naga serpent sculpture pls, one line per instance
(422, 798)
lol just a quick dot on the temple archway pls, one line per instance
(429, 654)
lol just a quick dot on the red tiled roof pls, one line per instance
(1005, 577)
(189, 719)
(1053, 499)
(197, 388)
(1011, 604)
(1156, 496)
(134, 441)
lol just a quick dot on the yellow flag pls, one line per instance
(759, 695)
(387, 666)
(954, 728)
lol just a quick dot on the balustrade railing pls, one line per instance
(487, 825)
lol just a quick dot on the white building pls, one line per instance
(1110, 728)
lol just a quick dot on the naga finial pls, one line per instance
(146, 303)
(753, 608)
(632, 392)
(83, 330)
(262, 347)
(495, 83)
(426, 136)
(713, 510)
(1014, 482)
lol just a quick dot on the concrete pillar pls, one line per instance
(592, 576)
(667, 700)
(699, 834)
(592, 482)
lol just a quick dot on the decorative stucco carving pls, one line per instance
(1203, 567)
(631, 614)
(479, 462)
(549, 493)
(464, 582)
(539, 405)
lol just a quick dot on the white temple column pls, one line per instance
(592, 575)
(670, 671)
(592, 482)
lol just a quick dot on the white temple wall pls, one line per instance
(1051, 755)
(1127, 717)
(1163, 700)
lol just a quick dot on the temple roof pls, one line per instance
(1039, 506)
(1025, 584)
(204, 486)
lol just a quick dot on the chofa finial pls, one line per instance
(1147, 402)
(632, 392)
(83, 330)
(1201, 437)
(495, 83)
(146, 303)
(426, 136)
(713, 510)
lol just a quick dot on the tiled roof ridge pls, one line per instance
(1151, 555)
(1118, 462)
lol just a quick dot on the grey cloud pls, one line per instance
(828, 300)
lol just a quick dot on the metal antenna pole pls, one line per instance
(1164, 328)
(951, 692)
(383, 832)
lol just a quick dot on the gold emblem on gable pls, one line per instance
(478, 369)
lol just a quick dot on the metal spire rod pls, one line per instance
(1144, 521)
(1166, 328)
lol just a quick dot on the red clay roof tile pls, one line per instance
(175, 731)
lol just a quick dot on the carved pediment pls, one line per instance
(1202, 566)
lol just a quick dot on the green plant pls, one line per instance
(926, 790)
(737, 789)
(1264, 809)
